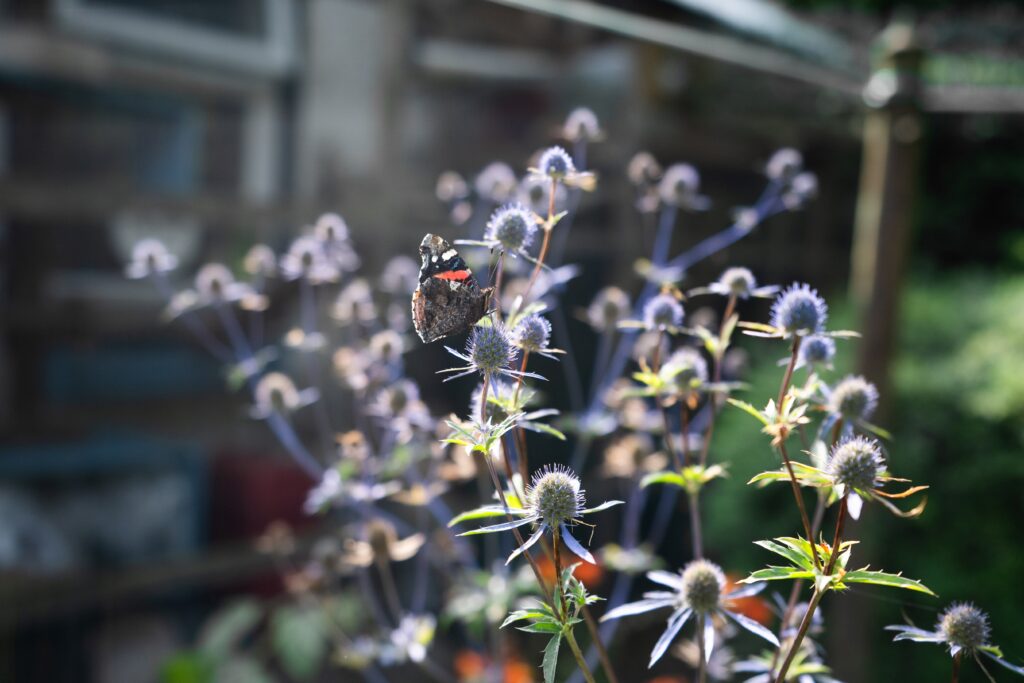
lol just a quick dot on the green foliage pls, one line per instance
(691, 479)
(299, 636)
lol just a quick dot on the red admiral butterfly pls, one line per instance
(448, 299)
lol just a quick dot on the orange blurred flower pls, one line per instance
(589, 574)
(754, 607)
(471, 667)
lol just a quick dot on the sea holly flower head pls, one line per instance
(799, 310)
(679, 187)
(490, 352)
(663, 312)
(816, 351)
(535, 193)
(964, 629)
(784, 164)
(497, 182)
(532, 334)
(260, 261)
(307, 258)
(609, 307)
(554, 502)
(853, 399)
(581, 125)
(276, 394)
(555, 163)
(150, 257)
(856, 465)
(740, 283)
(699, 590)
(512, 227)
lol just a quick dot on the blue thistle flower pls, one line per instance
(581, 125)
(490, 352)
(853, 398)
(856, 465)
(679, 187)
(799, 310)
(532, 334)
(663, 312)
(513, 227)
(555, 162)
(784, 164)
(817, 350)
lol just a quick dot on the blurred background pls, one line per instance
(133, 484)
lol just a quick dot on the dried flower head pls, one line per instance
(663, 312)
(513, 227)
(799, 310)
(150, 257)
(856, 464)
(853, 398)
(609, 307)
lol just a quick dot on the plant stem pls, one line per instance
(794, 351)
(956, 668)
(800, 504)
(838, 538)
(581, 662)
(702, 664)
(716, 378)
(695, 525)
(804, 625)
(387, 579)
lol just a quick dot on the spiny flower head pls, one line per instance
(213, 281)
(679, 185)
(386, 346)
(260, 260)
(490, 349)
(964, 625)
(854, 398)
(581, 124)
(643, 169)
(532, 333)
(856, 464)
(331, 228)
(686, 369)
(703, 583)
(663, 311)
(150, 257)
(737, 281)
(276, 394)
(817, 350)
(513, 226)
(609, 307)
(535, 193)
(556, 163)
(555, 495)
(799, 310)
(496, 182)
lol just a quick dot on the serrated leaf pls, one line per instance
(885, 579)
(749, 409)
(541, 627)
(521, 614)
(229, 625)
(792, 554)
(778, 574)
(550, 663)
(484, 512)
(299, 636)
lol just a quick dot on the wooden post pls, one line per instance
(892, 132)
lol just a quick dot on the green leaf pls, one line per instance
(187, 667)
(541, 627)
(794, 555)
(299, 636)
(223, 631)
(480, 513)
(672, 478)
(884, 579)
(520, 615)
(547, 429)
(749, 409)
(778, 574)
(550, 663)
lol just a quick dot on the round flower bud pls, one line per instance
(532, 333)
(965, 626)
(276, 393)
(856, 463)
(260, 260)
(512, 226)
(784, 164)
(490, 349)
(213, 281)
(331, 228)
(386, 346)
(854, 398)
(581, 124)
(799, 310)
(679, 185)
(739, 282)
(609, 307)
(496, 182)
(555, 495)
(817, 350)
(555, 162)
(663, 311)
(643, 169)
(686, 369)
(703, 582)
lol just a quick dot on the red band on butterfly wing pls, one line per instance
(454, 275)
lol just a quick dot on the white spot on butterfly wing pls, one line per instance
(449, 255)
(433, 258)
